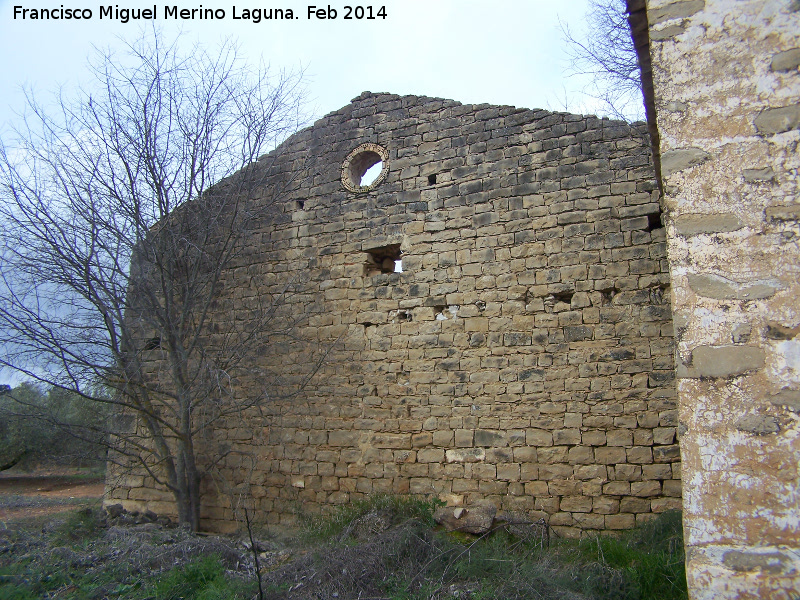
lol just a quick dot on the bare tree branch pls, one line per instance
(120, 219)
(609, 57)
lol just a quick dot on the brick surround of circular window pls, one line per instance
(359, 161)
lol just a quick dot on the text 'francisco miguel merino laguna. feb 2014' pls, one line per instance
(254, 15)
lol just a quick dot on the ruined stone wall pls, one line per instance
(522, 357)
(727, 91)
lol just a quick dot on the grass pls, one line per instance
(379, 547)
(392, 509)
(93, 473)
(77, 557)
(203, 579)
(647, 562)
(644, 564)
(81, 526)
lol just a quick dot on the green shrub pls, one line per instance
(80, 526)
(395, 509)
(644, 563)
(10, 591)
(190, 580)
(49, 426)
(201, 579)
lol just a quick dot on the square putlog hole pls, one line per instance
(385, 259)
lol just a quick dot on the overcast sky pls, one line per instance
(500, 51)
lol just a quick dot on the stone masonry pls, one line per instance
(727, 94)
(522, 357)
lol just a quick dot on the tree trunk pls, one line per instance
(188, 500)
(193, 489)
(187, 488)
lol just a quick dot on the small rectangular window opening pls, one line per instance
(565, 296)
(385, 259)
(654, 221)
(152, 343)
(432, 179)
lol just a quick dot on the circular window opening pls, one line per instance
(364, 168)
(371, 174)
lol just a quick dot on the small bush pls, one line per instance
(13, 591)
(393, 510)
(80, 526)
(646, 562)
(190, 580)
(202, 579)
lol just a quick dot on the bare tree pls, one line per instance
(608, 55)
(120, 220)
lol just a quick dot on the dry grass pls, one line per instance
(382, 548)
(78, 557)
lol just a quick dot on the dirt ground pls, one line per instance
(24, 495)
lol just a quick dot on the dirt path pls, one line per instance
(39, 494)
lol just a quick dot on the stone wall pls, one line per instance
(523, 356)
(727, 91)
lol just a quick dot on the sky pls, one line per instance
(500, 51)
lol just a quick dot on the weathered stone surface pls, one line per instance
(788, 60)
(771, 562)
(783, 213)
(755, 175)
(723, 361)
(735, 64)
(741, 333)
(666, 33)
(673, 161)
(693, 224)
(677, 107)
(342, 438)
(758, 424)
(778, 120)
(777, 331)
(714, 286)
(787, 397)
(465, 455)
(675, 10)
(485, 437)
(473, 519)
